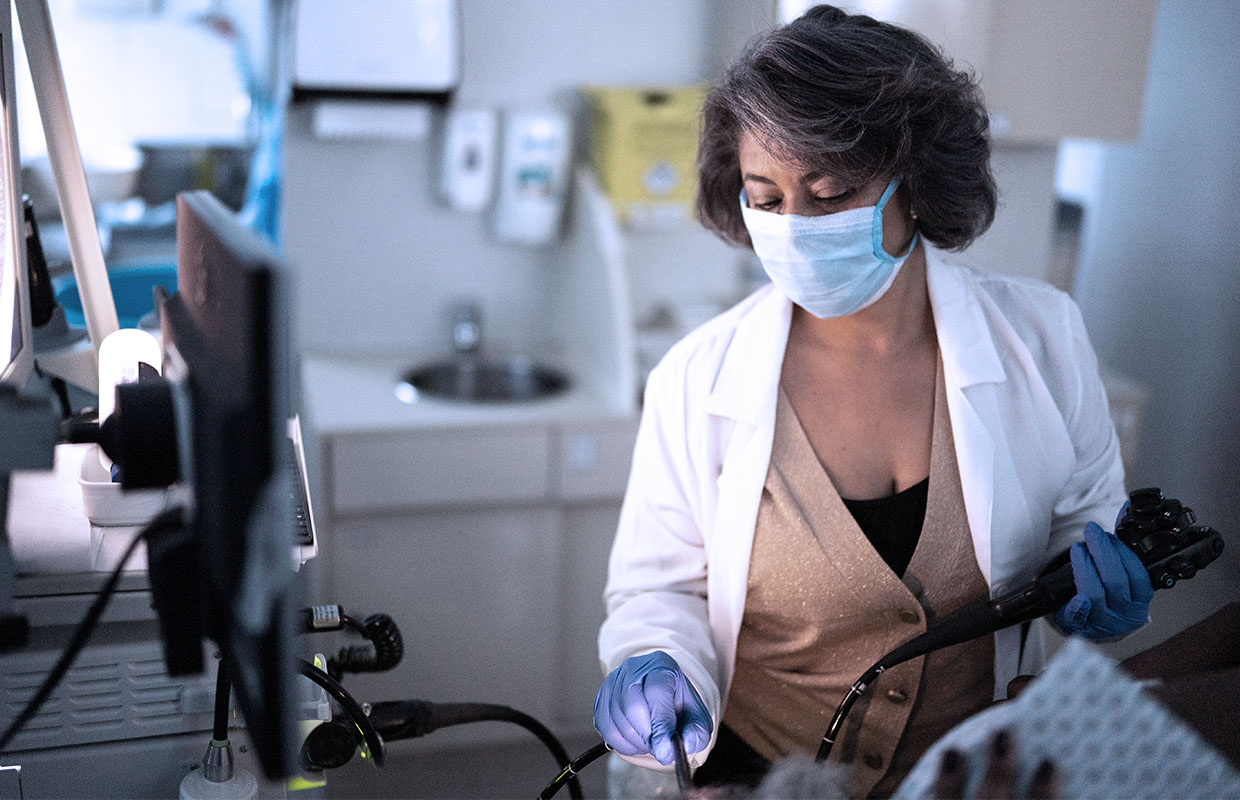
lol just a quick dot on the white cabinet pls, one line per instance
(1050, 69)
(389, 471)
(487, 544)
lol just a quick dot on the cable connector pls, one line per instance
(317, 619)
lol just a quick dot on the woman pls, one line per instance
(875, 440)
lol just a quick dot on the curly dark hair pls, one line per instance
(848, 96)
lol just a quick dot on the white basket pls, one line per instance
(107, 505)
(115, 515)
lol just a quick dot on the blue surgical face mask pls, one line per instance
(832, 265)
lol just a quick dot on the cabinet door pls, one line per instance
(475, 595)
(588, 533)
(394, 471)
(1049, 69)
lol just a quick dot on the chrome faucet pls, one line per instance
(466, 318)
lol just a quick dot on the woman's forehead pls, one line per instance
(757, 158)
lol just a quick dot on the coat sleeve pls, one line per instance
(1095, 490)
(656, 588)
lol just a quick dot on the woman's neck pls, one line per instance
(899, 320)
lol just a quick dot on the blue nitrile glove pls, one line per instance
(1113, 590)
(643, 701)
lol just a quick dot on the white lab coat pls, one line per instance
(1035, 444)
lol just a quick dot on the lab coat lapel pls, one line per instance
(970, 361)
(742, 404)
(746, 384)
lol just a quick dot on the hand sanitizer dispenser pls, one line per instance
(533, 177)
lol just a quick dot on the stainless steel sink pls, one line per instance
(473, 379)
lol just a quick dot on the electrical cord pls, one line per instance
(333, 687)
(383, 651)
(384, 647)
(169, 520)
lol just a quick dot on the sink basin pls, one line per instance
(482, 380)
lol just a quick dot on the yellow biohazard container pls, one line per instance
(644, 145)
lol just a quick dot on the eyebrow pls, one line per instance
(807, 179)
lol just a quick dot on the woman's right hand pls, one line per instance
(643, 701)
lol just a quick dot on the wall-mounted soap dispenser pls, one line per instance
(467, 171)
(533, 181)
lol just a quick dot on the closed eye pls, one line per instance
(836, 199)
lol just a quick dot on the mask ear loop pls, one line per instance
(876, 229)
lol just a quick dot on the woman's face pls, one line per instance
(781, 188)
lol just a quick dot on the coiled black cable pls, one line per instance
(383, 651)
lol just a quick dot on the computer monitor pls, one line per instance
(225, 350)
(16, 343)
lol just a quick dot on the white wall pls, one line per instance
(1159, 276)
(379, 257)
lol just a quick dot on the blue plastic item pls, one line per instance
(133, 288)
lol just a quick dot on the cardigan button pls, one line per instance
(896, 696)
(910, 617)
(873, 760)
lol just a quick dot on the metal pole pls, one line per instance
(72, 192)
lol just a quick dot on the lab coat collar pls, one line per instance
(965, 339)
(745, 387)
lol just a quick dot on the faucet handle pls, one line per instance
(466, 321)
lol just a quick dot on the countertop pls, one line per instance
(358, 393)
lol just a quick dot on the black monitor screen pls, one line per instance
(224, 342)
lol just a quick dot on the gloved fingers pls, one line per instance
(1085, 574)
(1104, 549)
(1074, 616)
(1140, 588)
(630, 718)
(611, 714)
(695, 722)
(660, 691)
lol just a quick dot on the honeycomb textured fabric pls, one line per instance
(1106, 736)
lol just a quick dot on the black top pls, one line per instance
(893, 524)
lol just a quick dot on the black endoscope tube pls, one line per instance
(1029, 602)
(572, 768)
(684, 778)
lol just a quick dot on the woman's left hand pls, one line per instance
(1113, 590)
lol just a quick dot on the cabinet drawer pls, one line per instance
(386, 471)
(594, 459)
